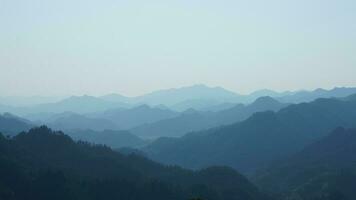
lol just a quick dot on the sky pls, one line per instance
(75, 47)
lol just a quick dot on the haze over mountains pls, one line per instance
(168, 113)
(199, 97)
(290, 146)
(177, 100)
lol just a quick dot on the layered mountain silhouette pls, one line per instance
(193, 120)
(322, 170)
(262, 138)
(41, 164)
(199, 97)
(286, 149)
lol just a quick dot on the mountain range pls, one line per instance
(199, 97)
(193, 120)
(259, 140)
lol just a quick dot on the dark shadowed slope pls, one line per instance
(258, 140)
(42, 164)
(197, 120)
(325, 168)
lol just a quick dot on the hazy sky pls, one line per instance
(61, 47)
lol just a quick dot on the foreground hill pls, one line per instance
(257, 141)
(325, 170)
(197, 120)
(41, 164)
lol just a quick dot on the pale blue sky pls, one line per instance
(64, 47)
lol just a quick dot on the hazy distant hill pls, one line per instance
(196, 96)
(111, 138)
(117, 98)
(197, 104)
(199, 97)
(198, 120)
(218, 107)
(42, 164)
(307, 96)
(175, 127)
(11, 124)
(263, 137)
(77, 104)
(174, 96)
(70, 121)
(128, 118)
(325, 168)
(266, 92)
(21, 101)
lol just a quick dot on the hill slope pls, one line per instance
(326, 167)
